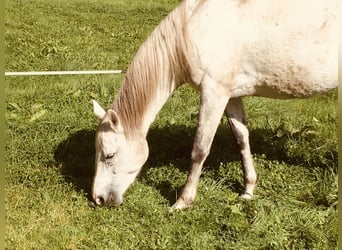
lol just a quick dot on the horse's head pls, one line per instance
(118, 159)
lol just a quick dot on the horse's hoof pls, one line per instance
(246, 196)
(179, 205)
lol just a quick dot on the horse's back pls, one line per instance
(270, 48)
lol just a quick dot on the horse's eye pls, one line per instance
(109, 156)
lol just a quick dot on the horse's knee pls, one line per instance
(199, 153)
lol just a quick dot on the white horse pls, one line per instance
(226, 49)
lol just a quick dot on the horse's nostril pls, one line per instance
(105, 200)
(99, 200)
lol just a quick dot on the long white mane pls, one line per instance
(161, 59)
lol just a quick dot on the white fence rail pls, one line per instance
(50, 73)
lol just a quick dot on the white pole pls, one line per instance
(49, 73)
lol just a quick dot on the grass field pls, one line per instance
(50, 132)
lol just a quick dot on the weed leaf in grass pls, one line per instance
(37, 115)
(14, 106)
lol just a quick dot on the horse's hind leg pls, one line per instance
(237, 121)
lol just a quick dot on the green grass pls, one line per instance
(49, 143)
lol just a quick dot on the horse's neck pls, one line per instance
(164, 91)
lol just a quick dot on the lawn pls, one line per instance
(50, 132)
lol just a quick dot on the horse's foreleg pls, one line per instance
(213, 103)
(237, 122)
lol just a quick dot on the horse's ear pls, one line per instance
(98, 110)
(114, 118)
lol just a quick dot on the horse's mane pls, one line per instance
(161, 59)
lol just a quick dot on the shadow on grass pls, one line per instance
(168, 146)
(172, 146)
(75, 157)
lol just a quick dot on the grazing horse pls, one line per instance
(226, 49)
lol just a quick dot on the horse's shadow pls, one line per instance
(168, 145)
(75, 157)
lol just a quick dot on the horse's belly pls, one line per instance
(282, 89)
(300, 69)
(291, 81)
